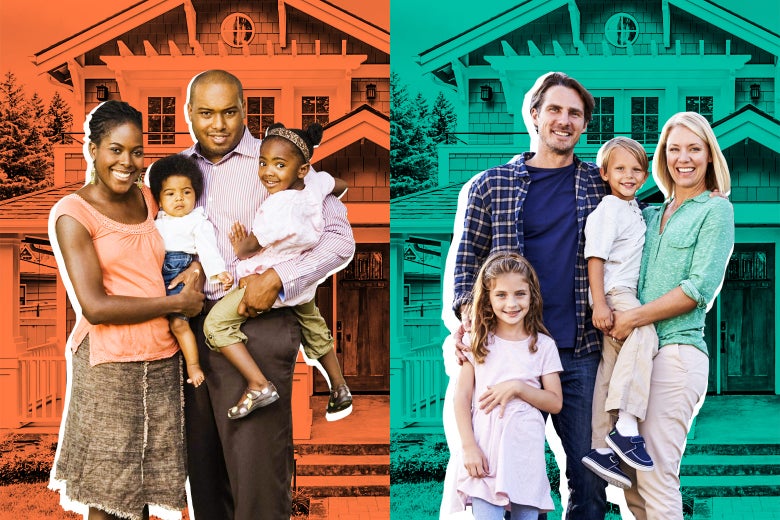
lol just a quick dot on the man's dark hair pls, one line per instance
(559, 79)
(176, 164)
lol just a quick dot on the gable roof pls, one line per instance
(426, 212)
(29, 213)
(114, 26)
(748, 122)
(363, 122)
(450, 50)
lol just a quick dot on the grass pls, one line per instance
(418, 465)
(31, 500)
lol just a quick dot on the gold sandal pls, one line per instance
(252, 400)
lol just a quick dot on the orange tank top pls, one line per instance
(131, 258)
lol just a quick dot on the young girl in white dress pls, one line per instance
(511, 377)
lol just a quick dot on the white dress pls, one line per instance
(514, 443)
(288, 223)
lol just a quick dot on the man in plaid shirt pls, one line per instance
(537, 205)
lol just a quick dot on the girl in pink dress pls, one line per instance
(511, 377)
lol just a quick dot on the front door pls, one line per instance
(747, 328)
(362, 322)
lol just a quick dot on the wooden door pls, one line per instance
(747, 327)
(362, 323)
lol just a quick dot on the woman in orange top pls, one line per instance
(122, 440)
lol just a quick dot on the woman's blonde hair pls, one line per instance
(717, 176)
(482, 316)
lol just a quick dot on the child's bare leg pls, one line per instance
(189, 347)
(330, 362)
(240, 358)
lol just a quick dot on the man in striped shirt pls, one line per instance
(242, 470)
(537, 205)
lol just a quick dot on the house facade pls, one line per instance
(642, 62)
(299, 61)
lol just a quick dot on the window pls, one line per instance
(644, 119)
(259, 114)
(700, 104)
(407, 294)
(621, 30)
(237, 30)
(23, 294)
(314, 108)
(161, 120)
(602, 124)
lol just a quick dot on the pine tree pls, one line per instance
(59, 120)
(25, 158)
(443, 121)
(411, 167)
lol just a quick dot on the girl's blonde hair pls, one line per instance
(484, 320)
(717, 176)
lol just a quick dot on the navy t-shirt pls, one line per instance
(550, 234)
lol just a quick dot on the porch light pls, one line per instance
(755, 92)
(102, 92)
(486, 93)
(370, 91)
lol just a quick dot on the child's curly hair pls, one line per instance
(484, 320)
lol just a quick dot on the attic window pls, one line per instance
(621, 30)
(237, 30)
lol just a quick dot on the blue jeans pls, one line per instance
(175, 262)
(587, 492)
(484, 510)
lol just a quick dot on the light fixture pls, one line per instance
(102, 92)
(755, 92)
(486, 93)
(370, 91)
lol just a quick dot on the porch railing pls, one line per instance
(42, 381)
(424, 383)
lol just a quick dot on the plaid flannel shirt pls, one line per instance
(494, 222)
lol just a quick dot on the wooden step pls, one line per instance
(343, 449)
(344, 486)
(731, 485)
(344, 465)
(721, 465)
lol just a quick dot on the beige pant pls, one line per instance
(677, 389)
(623, 377)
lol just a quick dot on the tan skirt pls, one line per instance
(123, 444)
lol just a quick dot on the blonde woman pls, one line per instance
(688, 243)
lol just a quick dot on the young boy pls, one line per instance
(177, 183)
(614, 237)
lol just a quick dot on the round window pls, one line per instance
(621, 30)
(237, 30)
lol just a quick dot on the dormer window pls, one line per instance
(621, 30)
(237, 30)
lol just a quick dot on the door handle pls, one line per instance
(723, 337)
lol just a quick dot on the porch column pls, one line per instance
(399, 344)
(9, 330)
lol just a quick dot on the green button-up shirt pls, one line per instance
(692, 253)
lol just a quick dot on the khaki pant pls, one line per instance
(222, 326)
(623, 377)
(677, 390)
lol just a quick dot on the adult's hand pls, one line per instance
(191, 296)
(622, 324)
(192, 276)
(499, 395)
(460, 347)
(262, 290)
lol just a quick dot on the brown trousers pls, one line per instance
(242, 469)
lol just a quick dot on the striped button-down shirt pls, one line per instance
(232, 192)
(494, 222)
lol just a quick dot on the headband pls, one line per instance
(291, 136)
